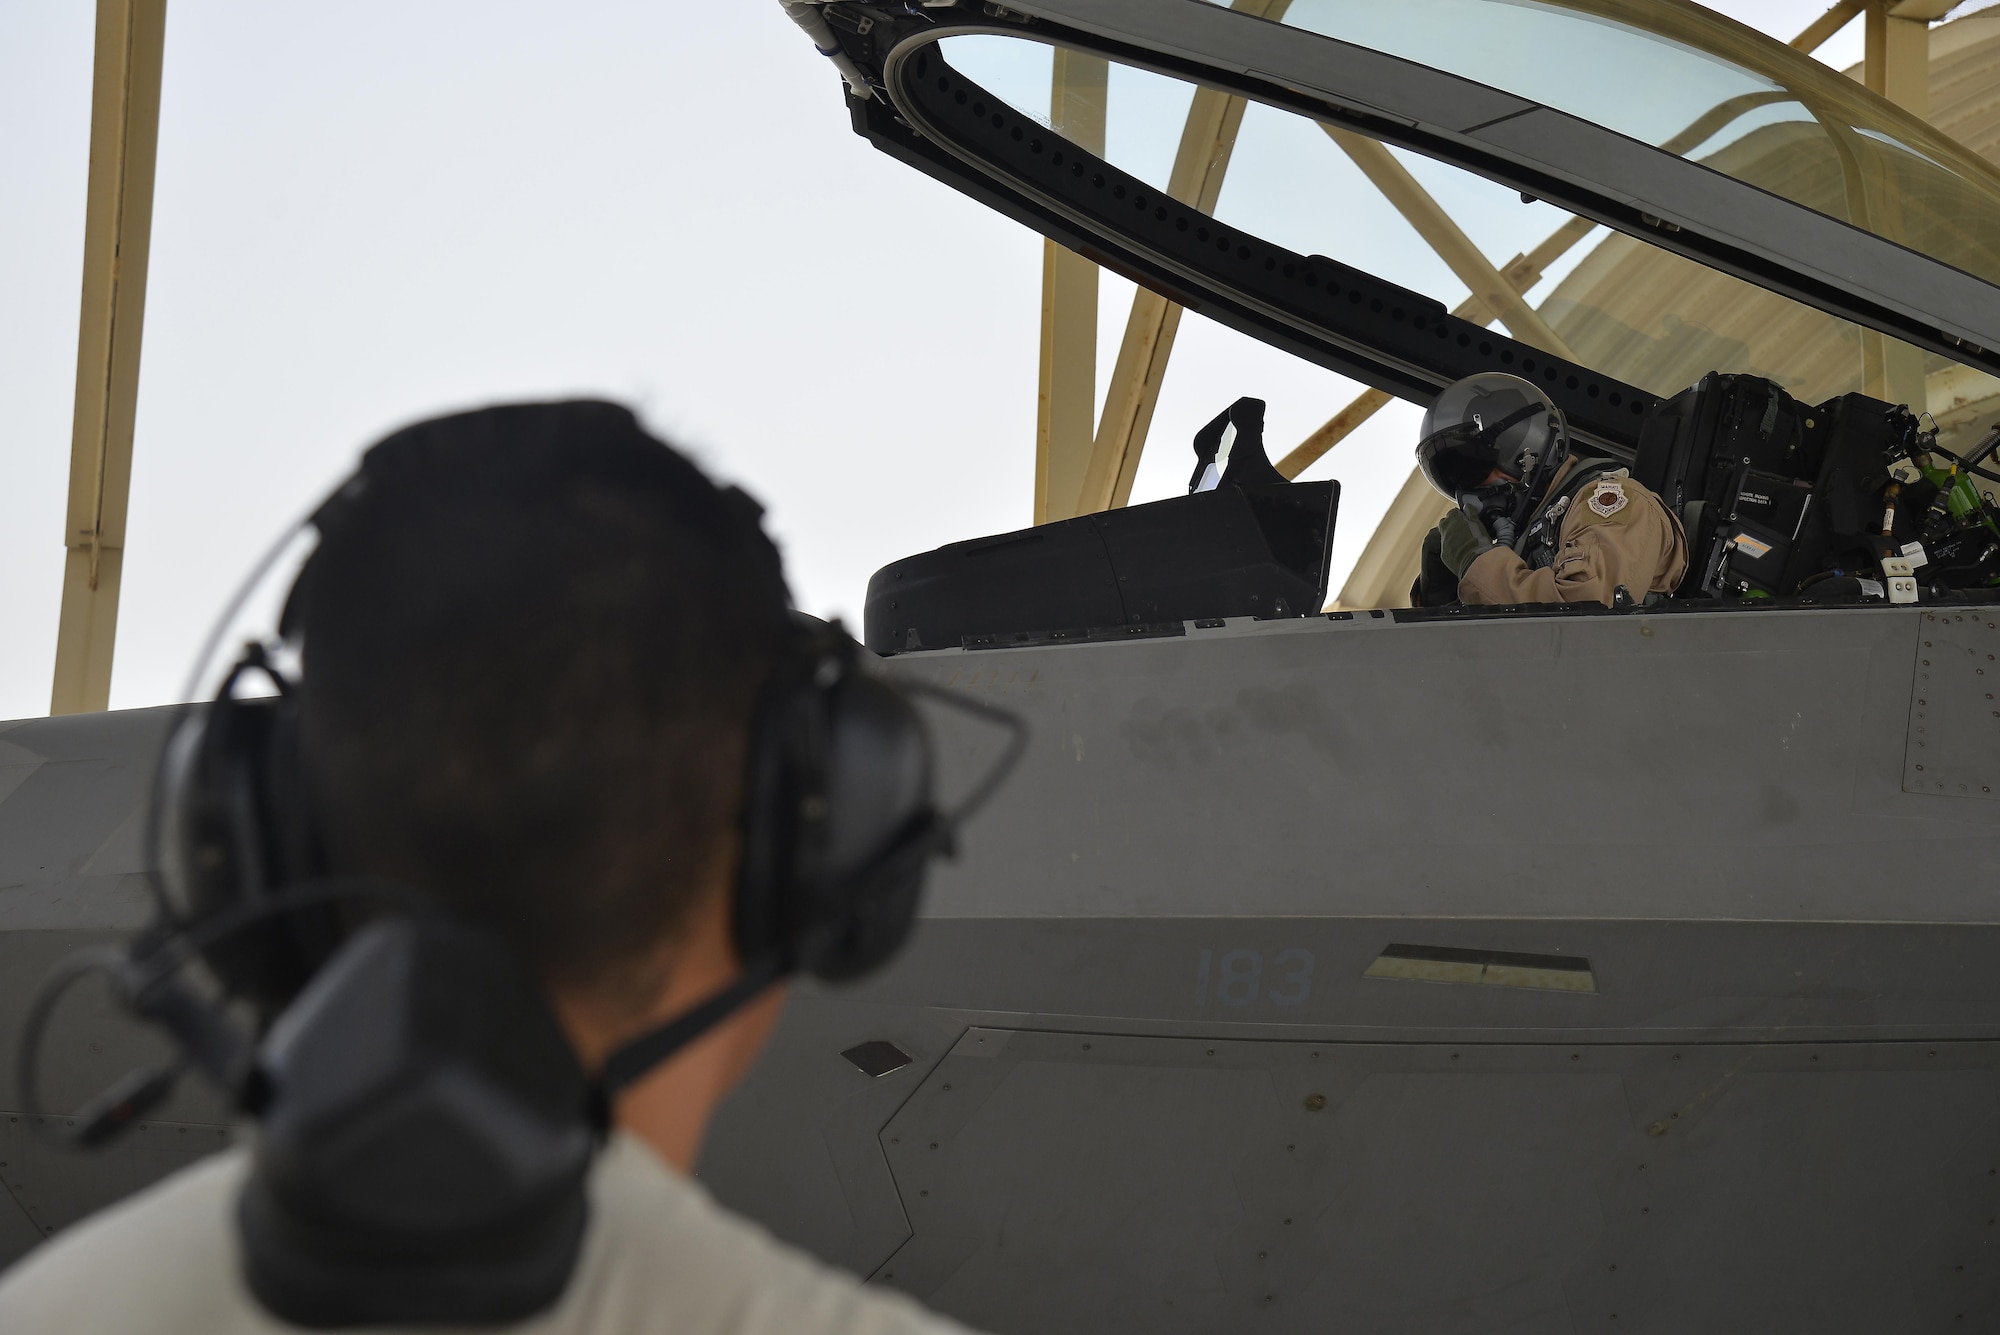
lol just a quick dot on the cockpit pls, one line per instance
(1694, 211)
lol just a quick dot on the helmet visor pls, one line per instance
(1461, 456)
(1458, 458)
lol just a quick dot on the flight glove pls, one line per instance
(1462, 540)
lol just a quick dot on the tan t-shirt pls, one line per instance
(660, 1256)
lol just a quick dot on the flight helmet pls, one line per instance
(1492, 421)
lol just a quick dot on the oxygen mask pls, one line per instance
(1493, 504)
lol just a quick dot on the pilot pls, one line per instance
(536, 642)
(1531, 522)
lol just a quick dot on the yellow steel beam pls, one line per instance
(1200, 163)
(1897, 64)
(1067, 405)
(1336, 429)
(1129, 399)
(1524, 271)
(118, 217)
(1826, 25)
(1450, 242)
(1897, 59)
(1196, 180)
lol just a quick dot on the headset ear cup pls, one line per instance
(878, 913)
(236, 826)
(766, 834)
(880, 830)
(839, 823)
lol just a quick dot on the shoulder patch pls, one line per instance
(1606, 496)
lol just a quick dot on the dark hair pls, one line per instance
(534, 637)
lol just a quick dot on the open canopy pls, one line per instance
(1770, 214)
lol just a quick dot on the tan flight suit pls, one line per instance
(1613, 532)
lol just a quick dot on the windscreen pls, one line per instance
(1618, 305)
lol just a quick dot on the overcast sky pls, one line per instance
(372, 212)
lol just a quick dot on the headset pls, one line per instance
(426, 1130)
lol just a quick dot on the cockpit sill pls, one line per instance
(1204, 627)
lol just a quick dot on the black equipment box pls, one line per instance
(1724, 422)
(1733, 457)
(1774, 494)
(1253, 545)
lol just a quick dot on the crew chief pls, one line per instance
(531, 680)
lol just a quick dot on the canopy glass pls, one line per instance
(1627, 309)
(1704, 88)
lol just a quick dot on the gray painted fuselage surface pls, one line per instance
(1690, 1020)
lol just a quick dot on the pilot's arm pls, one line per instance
(1436, 583)
(1616, 532)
